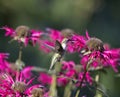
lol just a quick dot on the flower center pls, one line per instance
(37, 92)
(67, 33)
(94, 44)
(19, 86)
(22, 31)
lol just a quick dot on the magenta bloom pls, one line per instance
(62, 81)
(10, 87)
(68, 65)
(68, 69)
(23, 34)
(3, 56)
(11, 68)
(67, 73)
(55, 34)
(13, 87)
(77, 43)
(9, 31)
(4, 64)
(45, 79)
(100, 56)
(27, 72)
(106, 59)
(70, 73)
(34, 36)
(87, 78)
(35, 91)
(47, 45)
(112, 58)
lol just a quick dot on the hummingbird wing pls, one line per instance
(58, 47)
(49, 47)
(58, 54)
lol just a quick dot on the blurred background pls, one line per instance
(100, 17)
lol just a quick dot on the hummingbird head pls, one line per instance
(60, 47)
(64, 42)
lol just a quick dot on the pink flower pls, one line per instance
(45, 79)
(68, 69)
(34, 36)
(112, 58)
(70, 73)
(13, 87)
(11, 68)
(105, 58)
(9, 31)
(35, 91)
(23, 34)
(77, 43)
(87, 78)
(4, 55)
(95, 57)
(27, 72)
(62, 81)
(4, 64)
(67, 73)
(68, 65)
(100, 56)
(55, 34)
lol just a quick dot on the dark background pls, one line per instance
(100, 17)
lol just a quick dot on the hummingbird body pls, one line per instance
(56, 58)
(59, 52)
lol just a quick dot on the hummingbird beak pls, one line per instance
(70, 40)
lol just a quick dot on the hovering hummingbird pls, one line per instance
(59, 51)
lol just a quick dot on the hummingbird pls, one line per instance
(59, 50)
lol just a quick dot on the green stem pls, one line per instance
(53, 87)
(20, 53)
(19, 63)
(68, 88)
(53, 90)
(84, 75)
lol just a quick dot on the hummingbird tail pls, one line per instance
(51, 66)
